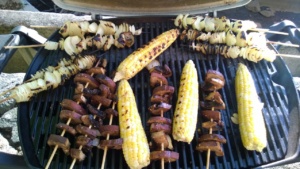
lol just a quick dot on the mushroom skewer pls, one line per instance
(100, 103)
(160, 136)
(63, 132)
(214, 80)
(90, 126)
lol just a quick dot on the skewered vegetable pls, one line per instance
(139, 59)
(186, 111)
(50, 78)
(103, 28)
(210, 24)
(241, 39)
(252, 53)
(160, 126)
(250, 117)
(135, 146)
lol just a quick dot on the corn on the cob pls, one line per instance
(250, 117)
(186, 111)
(136, 61)
(135, 146)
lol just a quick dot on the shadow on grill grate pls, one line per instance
(37, 118)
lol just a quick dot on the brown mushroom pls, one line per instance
(214, 96)
(66, 127)
(215, 126)
(155, 127)
(79, 88)
(212, 104)
(159, 99)
(107, 81)
(163, 90)
(99, 113)
(89, 120)
(67, 114)
(79, 98)
(112, 130)
(60, 141)
(159, 138)
(164, 70)
(97, 100)
(168, 156)
(159, 119)
(85, 78)
(90, 92)
(111, 144)
(157, 79)
(72, 105)
(157, 109)
(212, 137)
(212, 145)
(110, 112)
(77, 154)
(82, 140)
(104, 90)
(211, 114)
(214, 80)
(92, 133)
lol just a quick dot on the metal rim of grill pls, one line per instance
(37, 118)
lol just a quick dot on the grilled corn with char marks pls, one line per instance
(140, 58)
(186, 111)
(250, 117)
(135, 145)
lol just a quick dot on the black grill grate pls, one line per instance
(37, 119)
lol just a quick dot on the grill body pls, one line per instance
(37, 118)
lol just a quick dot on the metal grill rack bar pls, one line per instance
(37, 118)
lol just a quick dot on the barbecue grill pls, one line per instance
(38, 117)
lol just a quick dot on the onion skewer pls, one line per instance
(48, 79)
(209, 24)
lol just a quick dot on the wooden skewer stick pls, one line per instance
(56, 147)
(107, 138)
(63, 132)
(268, 31)
(8, 98)
(208, 151)
(24, 46)
(288, 55)
(44, 26)
(162, 144)
(80, 147)
(284, 44)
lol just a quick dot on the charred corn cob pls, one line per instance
(250, 117)
(135, 146)
(136, 61)
(186, 111)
